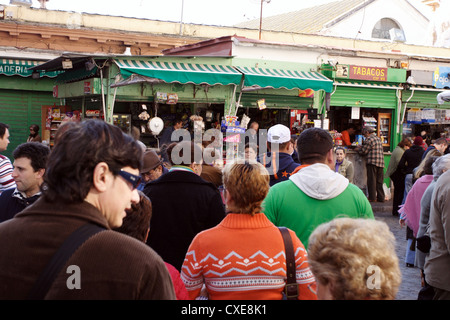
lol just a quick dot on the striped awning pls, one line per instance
(288, 79)
(180, 72)
(15, 67)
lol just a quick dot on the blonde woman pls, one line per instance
(243, 257)
(354, 259)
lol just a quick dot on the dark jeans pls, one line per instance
(398, 180)
(375, 183)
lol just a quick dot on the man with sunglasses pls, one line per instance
(91, 180)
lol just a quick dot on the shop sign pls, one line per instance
(11, 67)
(441, 77)
(368, 73)
(361, 72)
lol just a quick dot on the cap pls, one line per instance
(369, 129)
(418, 141)
(151, 161)
(279, 134)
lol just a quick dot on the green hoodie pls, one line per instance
(312, 196)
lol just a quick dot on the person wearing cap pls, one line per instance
(278, 161)
(152, 168)
(372, 148)
(315, 193)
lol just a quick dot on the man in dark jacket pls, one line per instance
(279, 161)
(183, 204)
(91, 180)
(30, 160)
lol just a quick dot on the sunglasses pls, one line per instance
(131, 178)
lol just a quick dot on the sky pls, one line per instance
(209, 12)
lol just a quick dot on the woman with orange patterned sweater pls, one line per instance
(243, 258)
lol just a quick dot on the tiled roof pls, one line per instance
(309, 20)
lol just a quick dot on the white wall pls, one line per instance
(413, 23)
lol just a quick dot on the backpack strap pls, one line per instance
(291, 288)
(59, 259)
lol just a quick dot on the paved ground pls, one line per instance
(410, 285)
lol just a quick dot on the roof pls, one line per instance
(309, 20)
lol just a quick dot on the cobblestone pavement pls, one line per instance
(410, 285)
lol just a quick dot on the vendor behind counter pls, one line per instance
(346, 141)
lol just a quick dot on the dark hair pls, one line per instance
(428, 167)
(313, 145)
(63, 128)
(341, 148)
(35, 128)
(70, 167)
(137, 221)
(3, 128)
(35, 151)
(406, 142)
(177, 156)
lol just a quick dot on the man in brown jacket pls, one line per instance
(91, 178)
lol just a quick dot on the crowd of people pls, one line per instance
(170, 224)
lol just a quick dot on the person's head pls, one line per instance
(280, 135)
(441, 144)
(421, 169)
(351, 129)
(98, 163)
(63, 128)
(440, 165)
(137, 222)
(254, 126)
(4, 136)
(340, 154)
(250, 151)
(34, 130)
(354, 259)
(177, 123)
(405, 143)
(246, 185)
(152, 166)
(418, 141)
(186, 153)
(315, 145)
(30, 161)
(367, 131)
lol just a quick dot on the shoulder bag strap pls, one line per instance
(53, 268)
(291, 288)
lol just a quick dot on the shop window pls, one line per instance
(382, 28)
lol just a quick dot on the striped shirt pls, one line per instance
(373, 148)
(6, 179)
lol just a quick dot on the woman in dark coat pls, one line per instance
(183, 204)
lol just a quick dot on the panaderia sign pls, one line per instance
(13, 67)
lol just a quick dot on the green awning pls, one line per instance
(15, 67)
(180, 72)
(288, 79)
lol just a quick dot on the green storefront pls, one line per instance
(22, 98)
(129, 91)
(366, 96)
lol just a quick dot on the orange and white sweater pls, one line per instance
(243, 258)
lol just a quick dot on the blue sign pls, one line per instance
(441, 78)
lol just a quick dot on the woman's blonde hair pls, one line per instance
(247, 184)
(419, 171)
(357, 257)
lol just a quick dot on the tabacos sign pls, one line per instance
(441, 78)
(361, 72)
